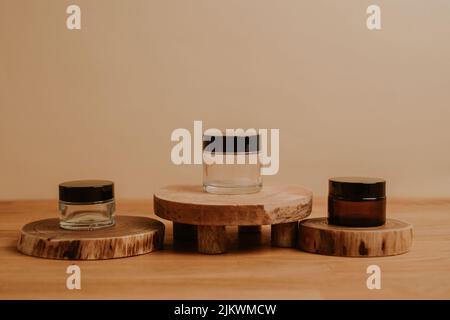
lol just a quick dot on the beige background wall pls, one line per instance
(102, 102)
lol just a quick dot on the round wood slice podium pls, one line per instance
(317, 236)
(130, 236)
(196, 213)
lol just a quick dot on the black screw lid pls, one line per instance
(357, 188)
(231, 144)
(86, 191)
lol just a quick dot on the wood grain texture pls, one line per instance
(130, 236)
(191, 205)
(317, 236)
(260, 272)
(284, 234)
(212, 239)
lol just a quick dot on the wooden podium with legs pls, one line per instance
(196, 213)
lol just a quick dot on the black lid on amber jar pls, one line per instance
(86, 191)
(231, 144)
(357, 188)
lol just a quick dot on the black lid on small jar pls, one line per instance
(232, 144)
(86, 191)
(357, 188)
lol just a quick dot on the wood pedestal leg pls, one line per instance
(249, 229)
(212, 239)
(285, 234)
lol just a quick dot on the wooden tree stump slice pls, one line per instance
(190, 205)
(130, 236)
(317, 236)
(272, 205)
(284, 235)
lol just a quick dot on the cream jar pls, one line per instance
(231, 164)
(86, 204)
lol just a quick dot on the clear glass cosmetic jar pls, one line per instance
(231, 164)
(86, 204)
(357, 201)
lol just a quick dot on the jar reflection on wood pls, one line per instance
(357, 201)
(86, 204)
(231, 164)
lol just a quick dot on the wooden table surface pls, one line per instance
(260, 272)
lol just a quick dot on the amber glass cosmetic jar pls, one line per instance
(357, 201)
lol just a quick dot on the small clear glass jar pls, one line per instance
(231, 164)
(86, 204)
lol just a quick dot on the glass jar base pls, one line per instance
(87, 225)
(232, 190)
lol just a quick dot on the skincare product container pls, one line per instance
(231, 164)
(86, 204)
(357, 201)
